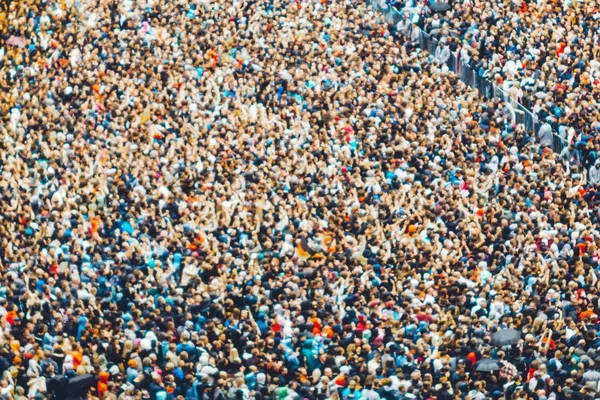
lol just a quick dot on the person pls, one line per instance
(20, 394)
(546, 135)
(404, 27)
(387, 390)
(372, 387)
(442, 53)
(594, 174)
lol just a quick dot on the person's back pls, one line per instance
(187, 347)
(131, 374)
(389, 393)
(444, 395)
(191, 391)
(370, 394)
(545, 135)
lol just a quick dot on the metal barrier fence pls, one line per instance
(427, 42)
(559, 144)
(468, 75)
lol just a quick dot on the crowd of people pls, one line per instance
(543, 54)
(279, 200)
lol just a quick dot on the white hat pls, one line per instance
(261, 378)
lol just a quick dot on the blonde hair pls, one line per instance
(233, 354)
(127, 348)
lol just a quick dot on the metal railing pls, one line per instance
(468, 74)
(559, 144)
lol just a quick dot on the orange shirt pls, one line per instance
(102, 383)
(316, 325)
(77, 356)
(10, 317)
(561, 48)
(586, 314)
(95, 222)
